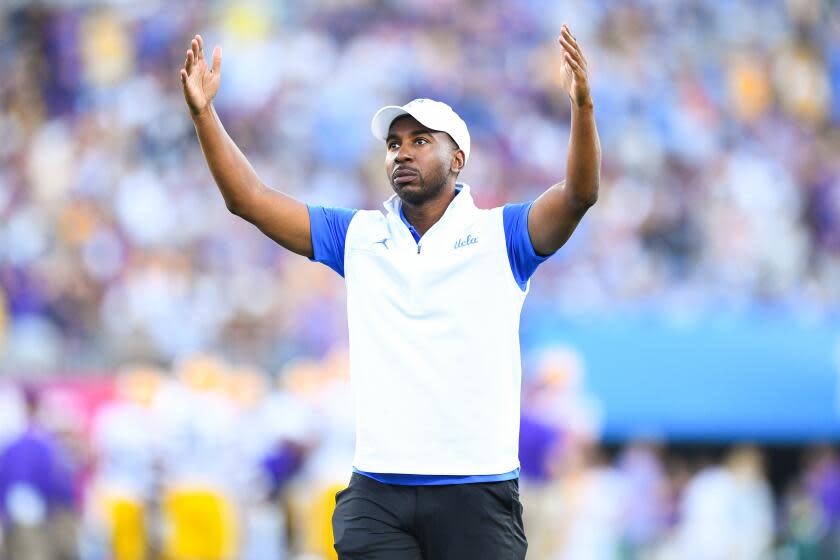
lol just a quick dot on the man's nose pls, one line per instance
(404, 153)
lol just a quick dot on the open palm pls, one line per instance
(574, 77)
(200, 82)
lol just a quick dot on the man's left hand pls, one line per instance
(574, 78)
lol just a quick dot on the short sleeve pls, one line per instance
(523, 259)
(328, 228)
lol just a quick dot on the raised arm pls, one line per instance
(557, 212)
(279, 216)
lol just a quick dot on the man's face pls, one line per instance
(418, 160)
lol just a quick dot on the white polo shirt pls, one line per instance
(434, 335)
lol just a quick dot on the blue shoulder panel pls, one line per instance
(328, 228)
(521, 255)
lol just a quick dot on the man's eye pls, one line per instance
(422, 140)
(391, 145)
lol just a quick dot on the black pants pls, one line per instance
(376, 521)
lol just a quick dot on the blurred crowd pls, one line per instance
(209, 461)
(720, 188)
(721, 181)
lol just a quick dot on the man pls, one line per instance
(37, 492)
(434, 291)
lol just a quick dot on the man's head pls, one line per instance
(426, 146)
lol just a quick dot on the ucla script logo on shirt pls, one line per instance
(468, 240)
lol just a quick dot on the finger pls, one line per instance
(568, 34)
(183, 76)
(217, 60)
(568, 46)
(188, 63)
(572, 51)
(200, 47)
(565, 29)
(576, 68)
(194, 47)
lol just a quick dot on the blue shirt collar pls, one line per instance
(410, 227)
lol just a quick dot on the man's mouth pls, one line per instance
(403, 176)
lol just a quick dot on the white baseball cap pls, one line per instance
(435, 115)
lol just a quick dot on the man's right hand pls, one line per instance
(200, 82)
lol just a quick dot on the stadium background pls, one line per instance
(681, 354)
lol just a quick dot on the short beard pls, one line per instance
(428, 190)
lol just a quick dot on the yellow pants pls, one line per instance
(128, 529)
(201, 525)
(319, 534)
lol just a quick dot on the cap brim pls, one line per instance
(381, 123)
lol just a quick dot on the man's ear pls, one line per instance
(457, 163)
